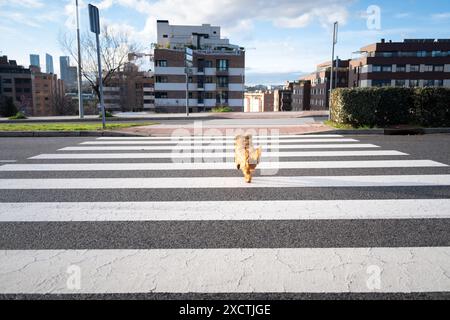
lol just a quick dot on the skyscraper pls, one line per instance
(49, 64)
(35, 60)
(64, 64)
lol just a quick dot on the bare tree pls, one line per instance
(115, 47)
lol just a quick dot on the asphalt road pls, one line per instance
(204, 234)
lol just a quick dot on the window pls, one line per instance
(400, 83)
(421, 54)
(439, 68)
(208, 64)
(381, 83)
(7, 90)
(8, 81)
(376, 69)
(149, 101)
(428, 68)
(439, 83)
(222, 97)
(401, 68)
(191, 95)
(161, 79)
(222, 82)
(386, 68)
(190, 79)
(208, 80)
(222, 65)
(165, 36)
(414, 68)
(161, 63)
(161, 95)
(437, 54)
(428, 83)
(209, 95)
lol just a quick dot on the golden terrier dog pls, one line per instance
(246, 156)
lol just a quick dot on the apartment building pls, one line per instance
(48, 93)
(320, 85)
(301, 95)
(283, 98)
(16, 83)
(259, 101)
(130, 90)
(411, 63)
(216, 77)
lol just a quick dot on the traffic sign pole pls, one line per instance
(94, 19)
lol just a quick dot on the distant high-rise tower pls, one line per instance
(49, 63)
(64, 64)
(34, 60)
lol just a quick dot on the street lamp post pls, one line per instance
(335, 33)
(80, 87)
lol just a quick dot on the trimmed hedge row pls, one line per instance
(384, 107)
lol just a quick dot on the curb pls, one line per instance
(48, 134)
(392, 132)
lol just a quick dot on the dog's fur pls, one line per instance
(246, 156)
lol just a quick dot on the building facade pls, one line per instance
(49, 64)
(320, 85)
(283, 99)
(48, 94)
(301, 95)
(130, 90)
(411, 63)
(35, 60)
(259, 101)
(16, 83)
(216, 77)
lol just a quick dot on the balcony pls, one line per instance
(222, 71)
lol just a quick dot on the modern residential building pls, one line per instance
(320, 85)
(48, 93)
(49, 64)
(217, 75)
(259, 101)
(301, 95)
(411, 63)
(68, 73)
(16, 83)
(283, 98)
(130, 90)
(35, 60)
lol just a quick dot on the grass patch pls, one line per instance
(67, 126)
(347, 126)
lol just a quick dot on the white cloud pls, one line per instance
(441, 16)
(32, 4)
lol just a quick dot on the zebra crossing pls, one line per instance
(156, 215)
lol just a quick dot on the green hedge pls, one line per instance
(384, 107)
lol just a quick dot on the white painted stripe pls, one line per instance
(318, 270)
(219, 165)
(228, 182)
(218, 147)
(199, 142)
(226, 210)
(206, 156)
(225, 137)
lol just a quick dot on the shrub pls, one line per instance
(384, 107)
(7, 107)
(222, 109)
(107, 115)
(18, 116)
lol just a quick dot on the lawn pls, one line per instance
(68, 126)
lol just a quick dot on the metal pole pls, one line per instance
(332, 68)
(100, 79)
(80, 87)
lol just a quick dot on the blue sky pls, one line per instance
(285, 38)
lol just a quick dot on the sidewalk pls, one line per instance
(142, 116)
